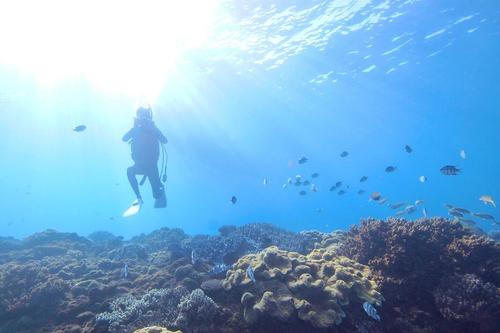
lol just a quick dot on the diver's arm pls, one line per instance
(128, 135)
(162, 138)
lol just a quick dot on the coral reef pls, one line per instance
(435, 275)
(313, 287)
(168, 307)
(411, 259)
(155, 329)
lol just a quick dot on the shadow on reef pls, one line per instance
(430, 275)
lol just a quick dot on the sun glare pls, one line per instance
(120, 46)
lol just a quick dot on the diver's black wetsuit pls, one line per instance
(145, 139)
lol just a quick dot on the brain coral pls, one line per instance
(313, 287)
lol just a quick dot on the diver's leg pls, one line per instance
(131, 173)
(154, 180)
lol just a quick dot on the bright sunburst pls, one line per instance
(119, 46)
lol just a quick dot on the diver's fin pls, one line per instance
(134, 208)
(161, 202)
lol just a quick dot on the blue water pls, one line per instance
(273, 83)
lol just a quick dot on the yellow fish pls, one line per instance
(487, 199)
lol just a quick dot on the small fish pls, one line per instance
(303, 160)
(289, 181)
(80, 128)
(218, 269)
(363, 179)
(467, 221)
(390, 168)
(234, 200)
(125, 271)
(408, 149)
(344, 154)
(333, 188)
(250, 274)
(264, 181)
(487, 199)
(314, 188)
(371, 311)
(382, 201)
(399, 213)
(319, 210)
(484, 216)
(424, 212)
(418, 202)
(194, 257)
(410, 209)
(306, 183)
(455, 213)
(297, 182)
(398, 205)
(461, 210)
(422, 179)
(376, 196)
(341, 192)
(463, 155)
(448, 206)
(315, 175)
(338, 184)
(302, 192)
(450, 170)
(360, 192)
(284, 186)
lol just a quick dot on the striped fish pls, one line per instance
(371, 311)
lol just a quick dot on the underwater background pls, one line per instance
(269, 103)
(271, 84)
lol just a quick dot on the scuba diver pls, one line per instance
(145, 141)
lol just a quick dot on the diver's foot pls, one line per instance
(138, 201)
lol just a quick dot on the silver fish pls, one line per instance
(218, 269)
(371, 311)
(410, 209)
(484, 216)
(125, 271)
(424, 212)
(251, 274)
(194, 257)
(398, 205)
(341, 192)
(455, 213)
(461, 210)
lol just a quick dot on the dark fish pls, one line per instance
(344, 154)
(302, 192)
(371, 311)
(398, 205)
(361, 192)
(363, 179)
(303, 160)
(234, 199)
(390, 168)
(80, 128)
(484, 216)
(376, 196)
(450, 170)
(341, 192)
(408, 149)
(315, 175)
(338, 184)
(448, 206)
(333, 188)
(306, 183)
